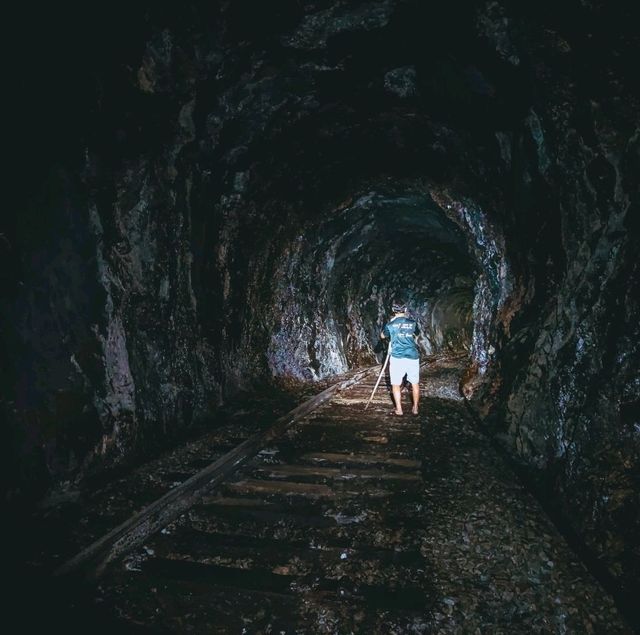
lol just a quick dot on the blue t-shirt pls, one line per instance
(401, 331)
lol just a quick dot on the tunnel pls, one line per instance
(336, 278)
(210, 210)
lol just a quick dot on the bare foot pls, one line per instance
(395, 412)
(414, 412)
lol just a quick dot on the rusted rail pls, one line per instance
(158, 514)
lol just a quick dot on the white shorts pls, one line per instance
(400, 366)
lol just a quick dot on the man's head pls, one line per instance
(399, 306)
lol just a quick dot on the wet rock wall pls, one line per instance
(566, 378)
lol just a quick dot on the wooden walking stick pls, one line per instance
(379, 376)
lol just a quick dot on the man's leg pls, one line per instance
(395, 389)
(413, 375)
(396, 374)
(416, 397)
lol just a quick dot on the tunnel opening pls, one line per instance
(341, 273)
(307, 299)
(349, 184)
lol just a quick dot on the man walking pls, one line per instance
(405, 358)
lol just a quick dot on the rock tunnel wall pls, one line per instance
(243, 190)
(565, 388)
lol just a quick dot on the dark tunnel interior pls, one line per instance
(352, 264)
(208, 202)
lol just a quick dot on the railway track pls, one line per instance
(354, 522)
